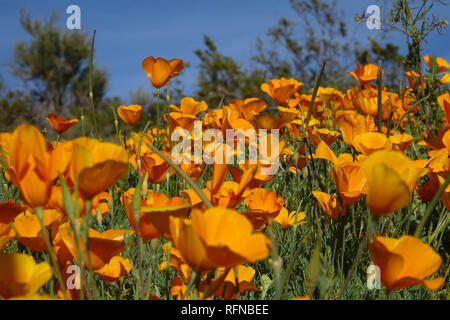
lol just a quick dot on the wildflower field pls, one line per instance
(294, 194)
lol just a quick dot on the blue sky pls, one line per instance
(129, 31)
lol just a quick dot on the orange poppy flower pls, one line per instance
(444, 102)
(98, 165)
(248, 108)
(218, 237)
(30, 167)
(352, 124)
(350, 181)
(366, 101)
(186, 114)
(155, 212)
(116, 268)
(322, 134)
(177, 263)
(257, 180)
(235, 243)
(391, 178)
(442, 64)
(228, 287)
(159, 70)
(265, 201)
(414, 79)
(401, 141)
(8, 211)
(444, 79)
(228, 194)
(282, 89)
(130, 114)
(151, 163)
(60, 125)
(369, 142)
(190, 106)
(405, 262)
(427, 191)
(365, 74)
(28, 229)
(21, 276)
(286, 219)
(102, 246)
(329, 204)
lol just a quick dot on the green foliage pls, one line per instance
(53, 67)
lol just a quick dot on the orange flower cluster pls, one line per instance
(215, 221)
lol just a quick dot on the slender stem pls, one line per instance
(316, 88)
(82, 121)
(370, 229)
(380, 89)
(136, 207)
(431, 206)
(407, 112)
(138, 160)
(91, 93)
(116, 125)
(40, 215)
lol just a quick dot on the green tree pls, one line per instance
(53, 66)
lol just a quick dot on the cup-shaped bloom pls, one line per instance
(282, 89)
(28, 229)
(228, 287)
(352, 124)
(365, 74)
(405, 262)
(155, 212)
(442, 64)
(190, 106)
(391, 178)
(264, 205)
(59, 124)
(102, 246)
(322, 134)
(21, 276)
(350, 181)
(30, 165)
(369, 142)
(98, 164)
(401, 141)
(116, 268)
(189, 244)
(130, 114)
(366, 101)
(159, 70)
(265, 201)
(329, 204)
(248, 108)
(218, 237)
(151, 163)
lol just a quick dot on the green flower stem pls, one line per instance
(136, 207)
(431, 206)
(91, 93)
(380, 96)
(314, 94)
(40, 215)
